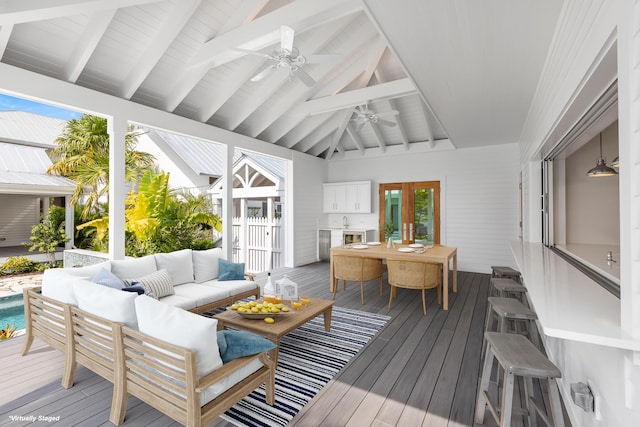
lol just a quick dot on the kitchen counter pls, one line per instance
(569, 305)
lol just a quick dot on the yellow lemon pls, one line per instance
(269, 320)
(234, 306)
(285, 309)
(241, 309)
(254, 309)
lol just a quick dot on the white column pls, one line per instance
(227, 202)
(68, 222)
(117, 127)
(270, 227)
(45, 207)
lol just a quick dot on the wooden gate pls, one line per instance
(258, 243)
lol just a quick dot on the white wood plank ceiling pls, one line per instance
(428, 74)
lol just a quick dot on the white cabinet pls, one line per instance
(347, 197)
(336, 238)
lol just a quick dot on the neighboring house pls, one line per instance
(25, 187)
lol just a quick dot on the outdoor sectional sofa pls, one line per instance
(156, 350)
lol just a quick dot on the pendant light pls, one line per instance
(601, 168)
(615, 163)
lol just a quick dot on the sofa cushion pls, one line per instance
(87, 270)
(228, 270)
(179, 301)
(111, 304)
(134, 267)
(181, 328)
(57, 284)
(234, 287)
(107, 278)
(179, 265)
(234, 344)
(205, 264)
(200, 293)
(158, 283)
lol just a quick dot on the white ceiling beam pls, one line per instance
(314, 138)
(21, 11)
(378, 136)
(288, 121)
(270, 85)
(302, 131)
(257, 6)
(322, 73)
(5, 33)
(394, 89)
(301, 15)
(98, 24)
(355, 138)
(337, 135)
(165, 35)
(263, 32)
(425, 114)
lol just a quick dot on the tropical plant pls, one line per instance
(82, 154)
(16, 264)
(159, 220)
(48, 234)
(8, 332)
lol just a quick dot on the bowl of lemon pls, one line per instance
(259, 309)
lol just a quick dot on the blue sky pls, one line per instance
(17, 104)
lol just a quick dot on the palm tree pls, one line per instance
(82, 154)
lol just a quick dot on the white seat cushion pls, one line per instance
(181, 328)
(179, 265)
(234, 287)
(200, 293)
(179, 301)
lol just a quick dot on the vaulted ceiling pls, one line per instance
(361, 77)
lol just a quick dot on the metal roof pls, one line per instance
(29, 128)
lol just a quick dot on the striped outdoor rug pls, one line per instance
(309, 357)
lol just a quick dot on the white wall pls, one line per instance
(479, 197)
(17, 215)
(578, 69)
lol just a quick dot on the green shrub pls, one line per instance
(17, 264)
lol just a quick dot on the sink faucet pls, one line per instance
(345, 221)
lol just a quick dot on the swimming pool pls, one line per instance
(12, 311)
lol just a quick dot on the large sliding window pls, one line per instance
(414, 210)
(581, 214)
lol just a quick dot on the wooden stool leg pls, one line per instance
(507, 400)
(554, 400)
(483, 390)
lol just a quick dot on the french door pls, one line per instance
(412, 209)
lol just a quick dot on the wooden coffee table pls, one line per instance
(283, 324)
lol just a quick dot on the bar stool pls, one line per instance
(505, 272)
(517, 356)
(509, 309)
(508, 288)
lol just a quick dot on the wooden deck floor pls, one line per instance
(419, 370)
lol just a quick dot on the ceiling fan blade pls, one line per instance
(286, 38)
(385, 122)
(262, 74)
(303, 77)
(253, 52)
(323, 58)
(388, 113)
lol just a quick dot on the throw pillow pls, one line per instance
(230, 270)
(234, 344)
(137, 289)
(106, 278)
(157, 283)
(205, 264)
(178, 264)
(182, 328)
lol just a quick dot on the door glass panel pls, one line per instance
(393, 212)
(423, 215)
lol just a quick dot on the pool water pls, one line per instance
(12, 311)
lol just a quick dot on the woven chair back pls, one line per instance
(356, 269)
(413, 274)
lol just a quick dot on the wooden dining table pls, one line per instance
(438, 254)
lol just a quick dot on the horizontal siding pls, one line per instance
(481, 218)
(17, 215)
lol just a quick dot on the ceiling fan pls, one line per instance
(364, 115)
(288, 57)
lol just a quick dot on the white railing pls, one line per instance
(258, 243)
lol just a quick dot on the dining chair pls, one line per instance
(355, 269)
(413, 275)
